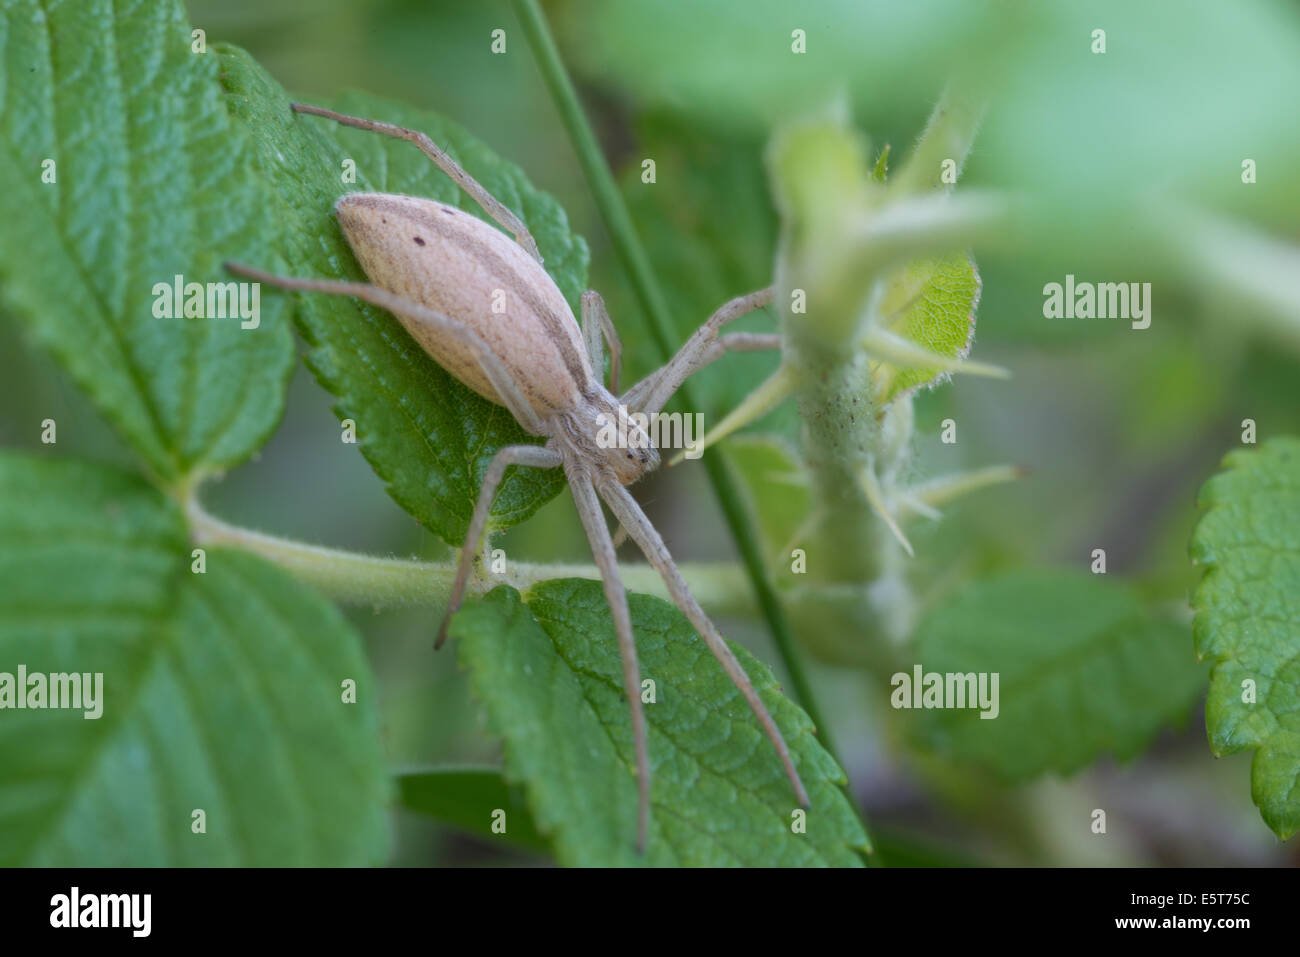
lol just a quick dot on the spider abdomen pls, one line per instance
(458, 265)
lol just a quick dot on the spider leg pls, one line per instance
(596, 323)
(740, 342)
(731, 342)
(502, 381)
(653, 392)
(534, 455)
(490, 204)
(629, 513)
(602, 549)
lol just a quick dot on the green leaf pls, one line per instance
(427, 436)
(152, 180)
(549, 674)
(1248, 620)
(932, 303)
(221, 691)
(468, 798)
(1083, 671)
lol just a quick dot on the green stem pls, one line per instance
(633, 257)
(356, 579)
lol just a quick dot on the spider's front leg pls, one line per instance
(705, 345)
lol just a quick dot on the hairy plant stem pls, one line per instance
(357, 579)
(633, 257)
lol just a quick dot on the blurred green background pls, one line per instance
(1119, 427)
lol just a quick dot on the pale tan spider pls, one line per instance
(438, 269)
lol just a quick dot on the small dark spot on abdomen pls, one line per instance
(419, 241)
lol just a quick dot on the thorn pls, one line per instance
(918, 507)
(945, 488)
(886, 346)
(871, 486)
(778, 386)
